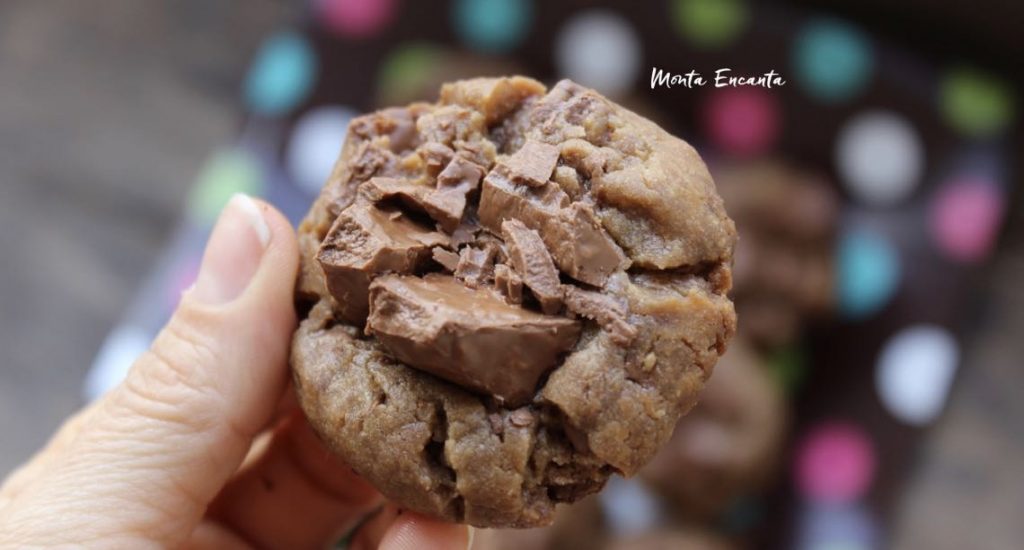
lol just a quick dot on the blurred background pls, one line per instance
(871, 399)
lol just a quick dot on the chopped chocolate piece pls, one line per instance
(448, 259)
(379, 188)
(465, 233)
(607, 311)
(444, 204)
(415, 196)
(469, 337)
(583, 248)
(365, 240)
(489, 241)
(531, 260)
(475, 265)
(508, 282)
(369, 159)
(479, 152)
(537, 207)
(579, 245)
(448, 201)
(436, 155)
(532, 164)
(461, 173)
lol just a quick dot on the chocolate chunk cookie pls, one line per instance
(784, 275)
(508, 296)
(729, 447)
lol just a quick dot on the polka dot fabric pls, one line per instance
(895, 157)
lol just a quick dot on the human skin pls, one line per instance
(202, 445)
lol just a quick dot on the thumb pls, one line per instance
(147, 460)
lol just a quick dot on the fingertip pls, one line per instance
(280, 264)
(412, 531)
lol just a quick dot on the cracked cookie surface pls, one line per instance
(508, 296)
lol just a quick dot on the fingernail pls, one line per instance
(471, 532)
(233, 252)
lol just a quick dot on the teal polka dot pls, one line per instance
(492, 26)
(710, 23)
(281, 75)
(975, 103)
(869, 272)
(832, 60)
(225, 173)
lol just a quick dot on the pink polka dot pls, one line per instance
(835, 463)
(742, 121)
(965, 217)
(357, 18)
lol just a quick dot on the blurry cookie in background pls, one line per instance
(783, 273)
(728, 447)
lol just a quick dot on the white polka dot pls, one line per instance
(880, 157)
(601, 50)
(629, 507)
(915, 371)
(315, 144)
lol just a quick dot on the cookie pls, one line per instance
(729, 447)
(507, 296)
(784, 274)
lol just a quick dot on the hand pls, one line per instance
(202, 445)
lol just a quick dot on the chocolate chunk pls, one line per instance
(508, 282)
(607, 311)
(461, 173)
(537, 207)
(583, 248)
(369, 159)
(469, 337)
(475, 265)
(366, 240)
(489, 241)
(465, 233)
(448, 259)
(578, 243)
(447, 203)
(532, 164)
(436, 155)
(531, 260)
(444, 204)
(409, 192)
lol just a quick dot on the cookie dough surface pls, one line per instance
(590, 258)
